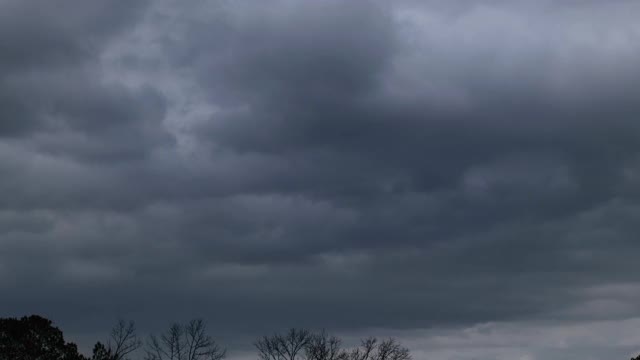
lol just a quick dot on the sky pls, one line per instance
(461, 175)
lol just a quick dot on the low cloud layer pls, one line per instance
(419, 167)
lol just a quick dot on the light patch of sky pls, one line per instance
(138, 59)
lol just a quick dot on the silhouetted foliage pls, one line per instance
(34, 338)
(636, 358)
(100, 352)
(184, 342)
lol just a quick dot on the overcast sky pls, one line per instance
(463, 175)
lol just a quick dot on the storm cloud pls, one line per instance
(429, 169)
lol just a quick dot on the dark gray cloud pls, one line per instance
(354, 166)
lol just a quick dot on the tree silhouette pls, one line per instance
(371, 349)
(302, 344)
(123, 340)
(34, 338)
(321, 346)
(100, 352)
(184, 342)
(288, 346)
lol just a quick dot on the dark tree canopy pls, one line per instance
(101, 352)
(34, 338)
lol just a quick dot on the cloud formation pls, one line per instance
(350, 165)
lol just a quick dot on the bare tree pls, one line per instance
(184, 342)
(199, 344)
(123, 340)
(321, 346)
(365, 351)
(267, 347)
(299, 344)
(168, 346)
(371, 349)
(288, 346)
(392, 350)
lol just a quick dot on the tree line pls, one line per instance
(36, 338)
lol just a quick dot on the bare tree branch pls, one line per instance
(185, 342)
(371, 349)
(321, 346)
(391, 350)
(266, 347)
(199, 344)
(123, 340)
(288, 346)
(298, 344)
